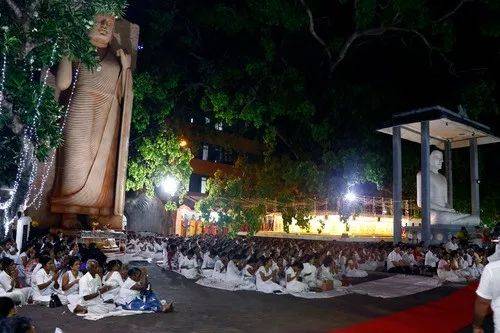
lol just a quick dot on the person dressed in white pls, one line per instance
(395, 262)
(446, 272)
(451, 245)
(233, 274)
(264, 278)
(309, 274)
(189, 266)
(9, 282)
(113, 279)
(91, 289)
(293, 285)
(70, 285)
(248, 274)
(219, 270)
(45, 282)
(136, 294)
(208, 263)
(431, 260)
(488, 293)
(352, 270)
(328, 272)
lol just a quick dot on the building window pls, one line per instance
(203, 185)
(204, 155)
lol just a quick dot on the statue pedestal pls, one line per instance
(440, 233)
(70, 221)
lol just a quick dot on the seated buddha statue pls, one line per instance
(441, 213)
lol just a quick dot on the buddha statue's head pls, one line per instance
(102, 32)
(436, 161)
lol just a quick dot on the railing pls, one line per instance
(368, 206)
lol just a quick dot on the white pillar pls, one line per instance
(426, 182)
(474, 178)
(396, 183)
(449, 172)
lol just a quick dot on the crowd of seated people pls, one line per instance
(292, 265)
(56, 270)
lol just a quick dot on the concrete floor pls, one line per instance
(200, 309)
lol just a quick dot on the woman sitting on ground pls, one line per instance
(113, 279)
(264, 278)
(136, 294)
(9, 284)
(70, 285)
(445, 271)
(329, 274)
(292, 279)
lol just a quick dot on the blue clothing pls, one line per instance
(147, 301)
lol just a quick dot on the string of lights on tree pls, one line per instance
(4, 67)
(27, 156)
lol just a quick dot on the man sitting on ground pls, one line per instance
(395, 262)
(90, 290)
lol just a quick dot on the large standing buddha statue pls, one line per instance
(91, 164)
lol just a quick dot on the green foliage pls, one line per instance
(156, 159)
(257, 67)
(241, 198)
(34, 36)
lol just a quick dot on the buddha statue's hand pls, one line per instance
(442, 208)
(125, 59)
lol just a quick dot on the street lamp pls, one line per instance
(169, 185)
(350, 196)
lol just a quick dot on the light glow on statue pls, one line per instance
(169, 185)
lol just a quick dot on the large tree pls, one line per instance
(313, 79)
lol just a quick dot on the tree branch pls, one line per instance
(312, 30)
(15, 8)
(380, 31)
(282, 138)
(457, 7)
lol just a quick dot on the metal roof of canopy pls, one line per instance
(444, 125)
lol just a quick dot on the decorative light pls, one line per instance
(2, 74)
(169, 185)
(183, 143)
(27, 155)
(350, 196)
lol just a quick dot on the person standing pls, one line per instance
(488, 293)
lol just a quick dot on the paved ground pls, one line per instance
(200, 309)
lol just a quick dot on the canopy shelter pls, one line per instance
(446, 130)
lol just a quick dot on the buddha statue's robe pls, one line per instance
(92, 161)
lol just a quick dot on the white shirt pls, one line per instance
(89, 285)
(5, 283)
(489, 288)
(393, 256)
(42, 277)
(450, 246)
(127, 295)
(431, 259)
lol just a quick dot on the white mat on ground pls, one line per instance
(396, 286)
(117, 313)
(127, 258)
(225, 285)
(341, 291)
